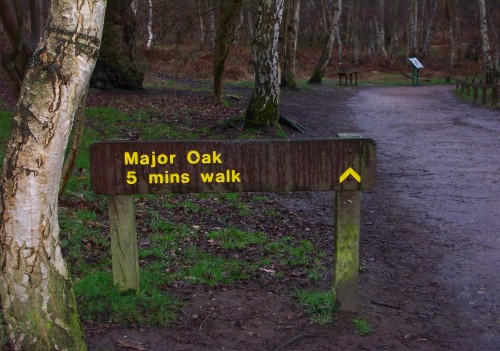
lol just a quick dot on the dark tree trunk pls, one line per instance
(116, 66)
(226, 25)
(21, 43)
(288, 78)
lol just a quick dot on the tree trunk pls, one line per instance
(226, 25)
(429, 29)
(354, 18)
(72, 154)
(150, 24)
(412, 29)
(212, 32)
(289, 78)
(116, 66)
(380, 28)
(201, 24)
(452, 14)
(21, 45)
(333, 15)
(38, 303)
(489, 74)
(263, 109)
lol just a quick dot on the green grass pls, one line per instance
(213, 270)
(169, 251)
(290, 251)
(391, 80)
(100, 300)
(320, 306)
(5, 131)
(363, 327)
(231, 238)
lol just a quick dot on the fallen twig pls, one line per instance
(131, 345)
(295, 338)
(385, 304)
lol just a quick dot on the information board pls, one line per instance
(416, 63)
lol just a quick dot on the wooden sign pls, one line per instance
(131, 167)
(123, 168)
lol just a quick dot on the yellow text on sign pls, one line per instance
(350, 172)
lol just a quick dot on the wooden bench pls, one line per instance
(343, 76)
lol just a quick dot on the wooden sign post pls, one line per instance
(347, 166)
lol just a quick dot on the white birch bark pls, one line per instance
(412, 29)
(379, 23)
(488, 65)
(134, 5)
(334, 9)
(263, 109)
(429, 28)
(150, 24)
(38, 304)
(292, 31)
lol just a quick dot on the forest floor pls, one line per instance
(430, 237)
(430, 231)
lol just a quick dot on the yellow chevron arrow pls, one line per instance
(350, 172)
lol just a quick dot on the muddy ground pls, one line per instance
(430, 238)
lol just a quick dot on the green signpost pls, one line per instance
(120, 169)
(416, 66)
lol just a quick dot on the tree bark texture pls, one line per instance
(150, 25)
(117, 63)
(72, 154)
(333, 15)
(226, 25)
(289, 78)
(380, 28)
(430, 28)
(22, 43)
(412, 29)
(38, 303)
(452, 13)
(263, 109)
(489, 74)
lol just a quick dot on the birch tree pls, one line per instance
(489, 74)
(150, 25)
(291, 31)
(333, 14)
(452, 16)
(263, 109)
(430, 28)
(412, 29)
(38, 303)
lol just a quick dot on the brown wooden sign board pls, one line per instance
(141, 167)
(347, 166)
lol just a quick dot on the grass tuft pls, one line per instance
(363, 327)
(319, 305)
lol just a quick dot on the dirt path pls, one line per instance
(430, 245)
(431, 227)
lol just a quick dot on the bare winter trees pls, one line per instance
(333, 10)
(37, 300)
